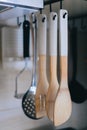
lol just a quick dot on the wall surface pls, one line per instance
(82, 58)
(0, 45)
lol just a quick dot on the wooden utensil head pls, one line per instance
(50, 99)
(63, 106)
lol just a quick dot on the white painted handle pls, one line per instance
(53, 34)
(63, 32)
(42, 34)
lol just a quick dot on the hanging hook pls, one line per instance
(18, 23)
(40, 11)
(61, 4)
(50, 7)
(43, 19)
(24, 17)
(34, 19)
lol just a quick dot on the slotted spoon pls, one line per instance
(42, 85)
(28, 101)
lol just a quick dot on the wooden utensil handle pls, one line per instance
(42, 67)
(42, 40)
(63, 32)
(53, 45)
(26, 38)
(53, 68)
(64, 70)
(42, 34)
(63, 36)
(53, 34)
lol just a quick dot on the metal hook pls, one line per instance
(40, 11)
(50, 7)
(18, 23)
(24, 17)
(61, 4)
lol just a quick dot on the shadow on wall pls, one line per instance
(51, 128)
(77, 90)
(47, 127)
(69, 128)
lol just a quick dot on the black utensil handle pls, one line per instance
(26, 38)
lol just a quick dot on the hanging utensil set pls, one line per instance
(51, 99)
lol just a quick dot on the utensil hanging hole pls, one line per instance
(64, 15)
(54, 17)
(43, 19)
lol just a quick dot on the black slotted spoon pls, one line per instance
(28, 101)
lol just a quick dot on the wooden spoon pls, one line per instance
(53, 83)
(42, 85)
(63, 105)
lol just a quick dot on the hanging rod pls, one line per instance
(51, 1)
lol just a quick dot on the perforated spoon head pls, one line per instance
(28, 103)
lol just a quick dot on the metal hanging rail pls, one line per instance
(51, 2)
(34, 4)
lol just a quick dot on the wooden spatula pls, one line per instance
(42, 85)
(63, 105)
(53, 83)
